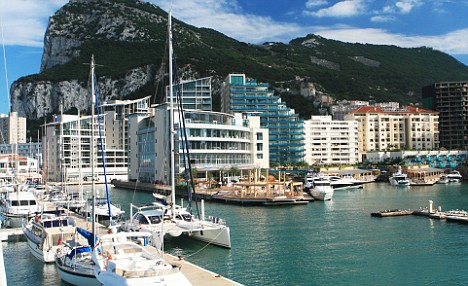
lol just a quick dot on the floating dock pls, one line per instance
(460, 216)
(395, 212)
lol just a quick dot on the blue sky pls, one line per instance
(440, 24)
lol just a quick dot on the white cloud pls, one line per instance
(382, 18)
(404, 6)
(347, 8)
(24, 22)
(315, 3)
(451, 43)
(227, 17)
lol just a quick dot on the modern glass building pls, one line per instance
(286, 131)
(195, 94)
(217, 141)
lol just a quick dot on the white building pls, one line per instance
(117, 113)
(68, 151)
(330, 141)
(15, 167)
(407, 128)
(217, 141)
(12, 129)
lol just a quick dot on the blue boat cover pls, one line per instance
(78, 250)
(88, 235)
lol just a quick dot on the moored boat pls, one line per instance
(321, 189)
(119, 260)
(45, 233)
(399, 179)
(17, 208)
(455, 176)
(76, 266)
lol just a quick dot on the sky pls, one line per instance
(439, 24)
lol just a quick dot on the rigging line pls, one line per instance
(5, 62)
(103, 157)
(185, 144)
(204, 247)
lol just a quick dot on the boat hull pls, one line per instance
(212, 233)
(76, 276)
(322, 195)
(37, 250)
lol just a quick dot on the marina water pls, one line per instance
(335, 242)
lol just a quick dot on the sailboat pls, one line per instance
(76, 266)
(177, 219)
(120, 260)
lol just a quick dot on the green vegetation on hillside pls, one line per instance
(342, 70)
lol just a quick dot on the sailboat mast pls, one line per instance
(93, 104)
(171, 117)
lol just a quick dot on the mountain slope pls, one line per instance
(128, 39)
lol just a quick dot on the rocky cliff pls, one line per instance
(128, 40)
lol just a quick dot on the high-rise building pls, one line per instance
(450, 100)
(286, 131)
(330, 141)
(12, 128)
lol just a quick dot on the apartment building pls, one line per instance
(240, 94)
(330, 141)
(450, 100)
(407, 128)
(12, 128)
(71, 154)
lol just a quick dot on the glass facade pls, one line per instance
(286, 130)
(195, 94)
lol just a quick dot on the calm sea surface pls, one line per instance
(322, 243)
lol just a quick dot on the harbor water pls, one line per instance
(335, 242)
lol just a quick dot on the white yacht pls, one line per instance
(443, 179)
(454, 176)
(149, 217)
(46, 232)
(399, 179)
(119, 260)
(17, 208)
(321, 189)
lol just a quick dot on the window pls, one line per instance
(259, 146)
(259, 136)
